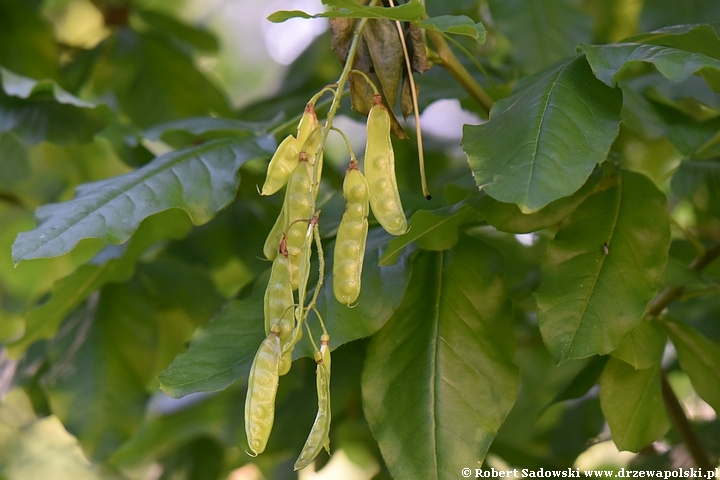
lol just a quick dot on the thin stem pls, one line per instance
(347, 144)
(336, 100)
(672, 404)
(699, 247)
(322, 324)
(321, 269)
(367, 79)
(293, 121)
(413, 91)
(315, 348)
(447, 59)
(683, 426)
(472, 58)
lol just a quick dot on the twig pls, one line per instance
(672, 404)
(667, 296)
(683, 426)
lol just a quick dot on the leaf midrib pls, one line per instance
(181, 157)
(602, 265)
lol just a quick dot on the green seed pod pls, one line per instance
(380, 171)
(284, 160)
(262, 388)
(351, 237)
(272, 242)
(278, 307)
(308, 123)
(298, 205)
(319, 434)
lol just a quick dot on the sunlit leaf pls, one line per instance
(438, 379)
(200, 181)
(632, 403)
(590, 297)
(543, 142)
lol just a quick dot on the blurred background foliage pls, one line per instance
(94, 89)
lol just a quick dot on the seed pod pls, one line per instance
(262, 388)
(278, 309)
(380, 171)
(319, 434)
(351, 237)
(272, 242)
(284, 160)
(298, 205)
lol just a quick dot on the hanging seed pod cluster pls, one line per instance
(297, 166)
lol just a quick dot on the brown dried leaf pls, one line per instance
(416, 48)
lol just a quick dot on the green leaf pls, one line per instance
(699, 181)
(543, 142)
(700, 358)
(632, 403)
(198, 38)
(583, 381)
(154, 81)
(105, 366)
(541, 31)
(661, 13)
(455, 24)
(431, 230)
(27, 41)
(407, 12)
(45, 449)
(41, 110)
(15, 164)
(507, 217)
(113, 264)
(198, 129)
(677, 52)
(382, 291)
(200, 181)
(643, 347)
(221, 351)
(168, 431)
(438, 379)
(588, 301)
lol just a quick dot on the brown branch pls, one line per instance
(672, 404)
(667, 296)
(682, 424)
